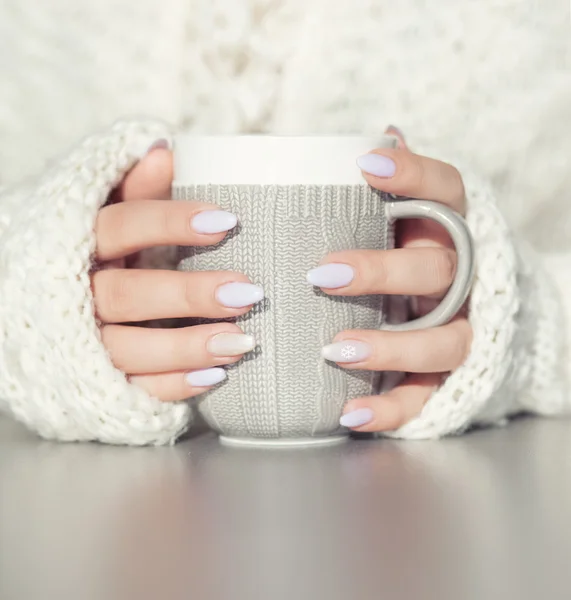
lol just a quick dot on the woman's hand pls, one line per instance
(423, 266)
(171, 364)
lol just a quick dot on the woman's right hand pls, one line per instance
(170, 364)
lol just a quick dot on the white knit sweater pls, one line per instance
(485, 84)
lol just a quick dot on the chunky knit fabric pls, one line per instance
(517, 359)
(54, 372)
(486, 84)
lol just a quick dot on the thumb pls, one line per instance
(151, 178)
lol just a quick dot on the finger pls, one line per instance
(396, 132)
(422, 233)
(124, 228)
(131, 295)
(393, 409)
(417, 271)
(173, 387)
(141, 350)
(435, 350)
(150, 178)
(404, 173)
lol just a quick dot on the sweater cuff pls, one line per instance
(472, 393)
(546, 391)
(55, 374)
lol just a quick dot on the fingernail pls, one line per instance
(238, 295)
(230, 344)
(162, 143)
(377, 164)
(331, 276)
(348, 351)
(397, 130)
(357, 418)
(206, 377)
(214, 221)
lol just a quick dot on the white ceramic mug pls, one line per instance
(297, 199)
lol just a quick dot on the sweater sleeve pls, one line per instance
(55, 374)
(518, 359)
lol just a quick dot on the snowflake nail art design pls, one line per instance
(349, 352)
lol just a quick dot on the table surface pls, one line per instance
(484, 516)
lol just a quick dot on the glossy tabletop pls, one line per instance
(483, 516)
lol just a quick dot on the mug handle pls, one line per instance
(458, 230)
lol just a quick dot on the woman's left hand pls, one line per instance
(422, 265)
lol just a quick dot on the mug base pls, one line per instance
(307, 442)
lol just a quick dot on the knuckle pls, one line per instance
(442, 174)
(389, 353)
(377, 272)
(116, 296)
(443, 267)
(189, 289)
(455, 175)
(414, 176)
(177, 349)
(112, 224)
(170, 222)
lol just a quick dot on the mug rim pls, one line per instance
(270, 159)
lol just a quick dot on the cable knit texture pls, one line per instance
(486, 83)
(54, 371)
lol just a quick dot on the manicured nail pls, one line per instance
(145, 146)
(238, 295)
(331, 276)
(377, 164)
(357, 418)
(158, 144)
(230, 344)
(214, 221)
(206, 377)
(348, 351)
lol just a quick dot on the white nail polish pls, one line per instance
(206, 377)
(357, 418)
(377, 165)
(332, 275)
(348, 351)
(238, 295)
(230, 344)
(213, 221)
